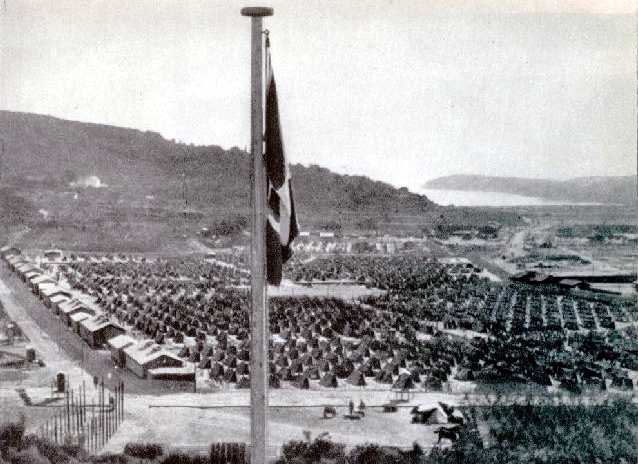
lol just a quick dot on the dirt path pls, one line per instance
(45, 348)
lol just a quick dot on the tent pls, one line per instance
(344, 369)
(366, 369)
(403, 382)
(216, 370)
(383, 376)
(392, 368)
(464, 374)
(329, 380)
(357, 378)
(312, 373)
(374, 362)
(230, 376)
(302, 382)
(429, 415)
(296, 366)
(332, 357)
(323, 365)
(433, 383)
(243, 382)
(273, 381)
(285, 374)
(242, 368)
(231, 361)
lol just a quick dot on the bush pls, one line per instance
(143, 450)
(182, 458)
(110, 458)
(51, 451)
(30, 455)
(302, 452)
(11, 434)
(371, 453)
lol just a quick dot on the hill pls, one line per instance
(59, 175)
(598, 189)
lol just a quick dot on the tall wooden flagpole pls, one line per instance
(259, 318)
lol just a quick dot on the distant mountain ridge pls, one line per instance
(47, 161)
(595, 189)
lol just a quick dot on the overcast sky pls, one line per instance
(402, 91)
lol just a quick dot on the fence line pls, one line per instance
(72, 425)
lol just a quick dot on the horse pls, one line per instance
(451, 433)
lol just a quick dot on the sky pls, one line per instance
(402, 91)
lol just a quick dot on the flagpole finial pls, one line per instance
(257, 11)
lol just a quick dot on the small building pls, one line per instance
(48, 292)
(7, 251)
(67, 308)
(29, 274)
(13, 261)
(117, 345)
(36, 281)
(76, 319)
(53, 255)
(571, 284)
(184, 374)
(22, 267)
(143, 357)
(97, 330)
(56, 301)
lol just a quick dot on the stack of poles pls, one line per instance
(71, 422)
(259, 308)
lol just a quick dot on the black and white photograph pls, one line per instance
(322, 231)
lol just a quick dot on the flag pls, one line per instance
(281, 227)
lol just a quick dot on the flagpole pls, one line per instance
(259, 319)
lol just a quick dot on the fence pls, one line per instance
(235, 453)
(89, 426)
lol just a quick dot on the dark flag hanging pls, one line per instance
(282, 227)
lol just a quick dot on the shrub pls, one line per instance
(30, 455)
(51, 451)
(302, 452)
(370, 453)
(143, 450)
(11, 434)
(182, 458)
(110, 458)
